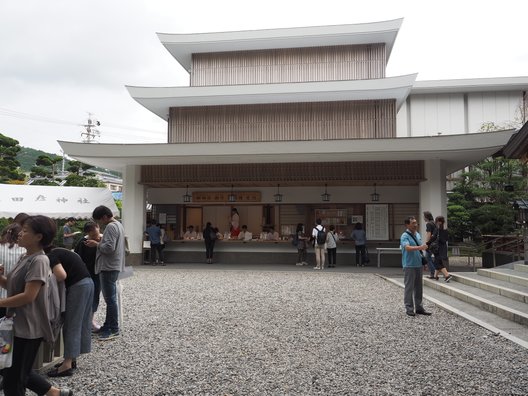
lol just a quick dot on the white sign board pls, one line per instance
(377, 222)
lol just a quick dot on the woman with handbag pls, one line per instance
(26, 288)
(438, 248)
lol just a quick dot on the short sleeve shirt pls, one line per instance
(31, 318)
(430, 227)
(410, 258)
(71, 262)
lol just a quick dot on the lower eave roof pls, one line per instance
(455, 151)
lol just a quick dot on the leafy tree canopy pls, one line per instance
(9, 166)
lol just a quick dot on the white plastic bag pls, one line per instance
(6, 342)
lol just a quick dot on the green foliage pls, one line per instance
(459, 222)
(480, 203)
(9, 166)
(74, 179)
(494, 219)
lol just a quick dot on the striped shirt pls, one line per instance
(9, 257)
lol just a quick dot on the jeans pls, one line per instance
(109, 289)
(97, 292)
(156, 252)
(430, 262)
(360, 254)
(77, 330)
(301, 255)
(209, 247)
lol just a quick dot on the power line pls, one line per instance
(40, 118)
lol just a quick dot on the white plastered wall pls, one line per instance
(433, 191)
(133, 208)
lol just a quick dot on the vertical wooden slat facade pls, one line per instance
(283, 122)
(289, 65)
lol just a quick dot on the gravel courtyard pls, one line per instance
(246, 332)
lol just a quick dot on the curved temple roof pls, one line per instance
(160, 100)
(456, 151)
(182, 46)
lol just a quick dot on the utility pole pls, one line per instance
(91, 133)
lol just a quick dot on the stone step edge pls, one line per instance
(520, 267)
(499, 308)
(490, 273)
(523, 297)
(458, 312)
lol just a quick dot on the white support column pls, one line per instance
(133, 208)
(433, 195)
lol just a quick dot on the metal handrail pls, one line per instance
(513, 246)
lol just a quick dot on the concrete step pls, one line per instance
(507, 308)
(505, 274)
(520, 267)
(513, 331)
(500, 287)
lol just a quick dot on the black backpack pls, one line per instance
(321, 236)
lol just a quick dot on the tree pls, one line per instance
(9, 166)
(481, 201)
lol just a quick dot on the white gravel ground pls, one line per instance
(219, 332)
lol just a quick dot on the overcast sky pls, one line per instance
(60, 60)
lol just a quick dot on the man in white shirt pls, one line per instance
(190, 233)
(245, 235)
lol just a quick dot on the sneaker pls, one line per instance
(108, 335)
(299, 264)
(304, 263)
(447, 279)
(317, 267)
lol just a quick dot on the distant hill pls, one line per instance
(27, 157)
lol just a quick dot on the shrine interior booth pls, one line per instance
(383, 221)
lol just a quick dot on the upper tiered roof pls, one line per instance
(182, 46)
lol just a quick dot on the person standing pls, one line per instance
(109, 262)
(331, 246)
(68, 233)
(411, 245)
(234, 224)
(87, 254)
(69, 267)
(430, 228)
(27, 291)
(302, 244)
(163, 239)
(360, 238)
(319, 238)
(10, 253)
(209, 236)
(440, 238)
(156, 250)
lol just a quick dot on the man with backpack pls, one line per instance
(319, 238)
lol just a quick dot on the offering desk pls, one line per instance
(259, 251)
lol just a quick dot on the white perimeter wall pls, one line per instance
(449, 114)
